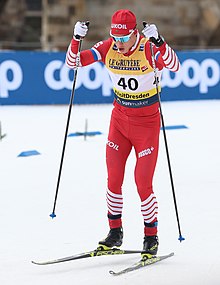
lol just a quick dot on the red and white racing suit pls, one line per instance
(135, 120)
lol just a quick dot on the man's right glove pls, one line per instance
(151, 32)
(80, 30)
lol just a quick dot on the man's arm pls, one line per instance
(165, 56)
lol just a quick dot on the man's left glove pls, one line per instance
(151, 32)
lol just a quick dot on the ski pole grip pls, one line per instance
(144, 24)
(77, 36)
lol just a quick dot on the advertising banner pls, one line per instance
(28, 78)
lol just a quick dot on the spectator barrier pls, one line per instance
(28, 78)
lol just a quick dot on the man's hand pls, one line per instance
(80, 30)
(150, 31)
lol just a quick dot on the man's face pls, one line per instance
(124, 42)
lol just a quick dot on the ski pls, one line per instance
(141, 263)
(93, 253)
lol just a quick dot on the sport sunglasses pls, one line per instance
(122, 39)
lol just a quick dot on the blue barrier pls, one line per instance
(198, 78)
(42, 78)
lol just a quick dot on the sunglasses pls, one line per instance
(122, 39)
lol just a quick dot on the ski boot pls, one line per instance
(114, 238)
(150, 247)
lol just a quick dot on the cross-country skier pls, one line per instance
(135, 119)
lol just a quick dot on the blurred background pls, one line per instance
(47, 24)
(35, 34)
(35, 90)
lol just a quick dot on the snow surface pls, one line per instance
(27, 190)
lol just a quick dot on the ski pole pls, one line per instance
(181, 238)
(53, 215)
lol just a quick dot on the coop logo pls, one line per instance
(192, 74)
(11, 77)
(92, 77)
(204, 76)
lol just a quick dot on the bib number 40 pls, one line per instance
(131, 83)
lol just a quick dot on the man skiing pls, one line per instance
(135, 119)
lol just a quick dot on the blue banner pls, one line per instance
(42, 78)
(198, 78)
